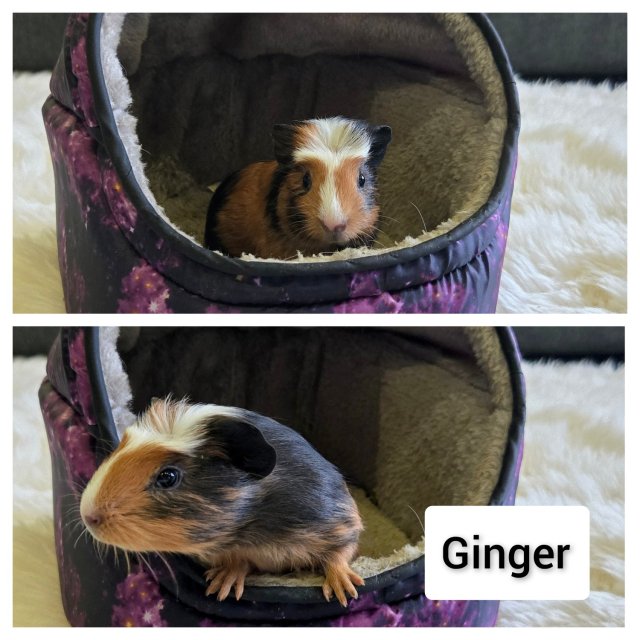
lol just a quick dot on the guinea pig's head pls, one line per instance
(179, 479)
(329, 173)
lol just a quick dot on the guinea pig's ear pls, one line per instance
(380, 138)
(246, 447)
(283, 141)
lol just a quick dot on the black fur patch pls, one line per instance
(369, 190)
(272, 199)
(206, 478)
(380, 138)
(306, 493)
(225, 189)
(304, 497)
(246, 447)
(283, 135)
(295, 217)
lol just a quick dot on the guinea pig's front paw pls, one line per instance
(340, 578)
(222, 579)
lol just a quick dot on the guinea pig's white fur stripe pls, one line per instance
(178, 425)
(332, 211)
(88, 500)
(333, 140)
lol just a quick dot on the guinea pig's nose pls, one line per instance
(93, 518)
(333, 228)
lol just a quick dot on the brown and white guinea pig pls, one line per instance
(235, 490)
(318, 195)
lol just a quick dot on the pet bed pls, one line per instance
(146, 111)
(412, 417)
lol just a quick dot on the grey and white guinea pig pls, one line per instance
(235, 490)
(318, 195)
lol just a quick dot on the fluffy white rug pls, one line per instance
(567, 244)
(36, 278)
(567, 249)
(574, 454)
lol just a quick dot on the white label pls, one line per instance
(507, 553)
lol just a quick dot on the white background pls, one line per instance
(507, 526)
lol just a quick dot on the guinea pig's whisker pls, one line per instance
(106, 444)
(295, 226)
(101, 549)
(424, 226)
(77, 488)
(72, 526)
(83, 532)
(300, 224)
(72, 512)
(71, 520)
(125, 554)
(374, 235)
(96, 547)
(127, 560)
(173, 575)
(300, 228)
(144, 561)
(365, 238)
(418, 518)
(76, 485)
(74, 505)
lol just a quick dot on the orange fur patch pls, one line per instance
(346, 181)
(308, 204)
(243, 225)
(123, 499)
(304, 135)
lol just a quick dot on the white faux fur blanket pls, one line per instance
(574, 454)
(567, 240)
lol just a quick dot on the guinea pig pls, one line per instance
(318, 195)
(235, 490)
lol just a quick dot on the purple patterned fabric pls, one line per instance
(104, 590)
(140, 602)
(115, 257)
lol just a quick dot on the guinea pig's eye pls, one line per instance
(306, 181)
(168, 478)
(361, 180)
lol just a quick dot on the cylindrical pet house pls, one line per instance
(411, 417)
(148, 111)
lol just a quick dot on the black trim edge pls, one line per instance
(107, 433)
(515, 437)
